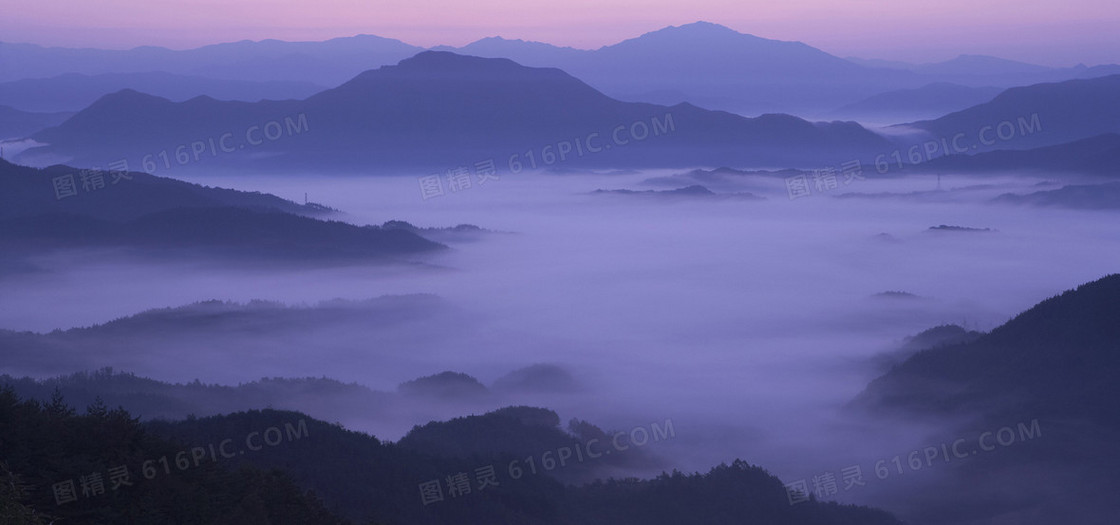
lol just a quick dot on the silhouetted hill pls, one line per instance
(937, 336)
(953, 228)
(449, 234)
(694, 191)
(529, 53)
(241, 467)
(448, 386)
(440, 110)
(1034, 116)
(1101, 71)
(929, 101)
(150, 399)
(221, 129)
(539, 378)
(982, 70)
(366, 479)
(1054, 358)
(1079, 196)
(328, 62)
(27, 192)
(164, 216)
(980, 65)
(74, 91)
(47, 445)
(1099, 155)
(1048, 376)
(227, 232)
(713, 497)
(363, 478)
(728, 181)
(253, 330)
(516, 433)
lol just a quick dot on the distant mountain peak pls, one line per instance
(705, 25)
(502, 39)
(127, 96)
(699, 29)
(445, 59)
(497, 38)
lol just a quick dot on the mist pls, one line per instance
(747, 323)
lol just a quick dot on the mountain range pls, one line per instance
(702, 63)
(929, 101)
(1031, 116)
(1097, 155)
(74, 91)
(359, 478)
(716, 67)
(435, 112)
(328, 62)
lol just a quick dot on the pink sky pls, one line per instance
(1046, 32)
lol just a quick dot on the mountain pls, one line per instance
(113, 467)
(694, 191)
(701, 63)
(446, 386)
(1032, 116)
(962, 65)
(929, 101)
(252, 330)
(328, 62)
(716, 67)
(269, 466)
(984, 70)
(449, 234)
(148, 399)
(515, 432)
(1099, 155)
(980, 65)
(1101, 71)
(538, 378)
(15, 123)
(123, 196)
(1048, 373)
(711, 66)
(934, 337)
(237, 234)
(160, 216)
(709, 62)
(528, 53)
(188, 133)
(436, 111)
(1075, 196)
(362, 478)
(74, 91)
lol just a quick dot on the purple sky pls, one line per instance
(1045, 32)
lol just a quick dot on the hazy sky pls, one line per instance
(1048, 32)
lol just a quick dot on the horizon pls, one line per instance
(905, 45)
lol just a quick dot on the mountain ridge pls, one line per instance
(437, 110)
